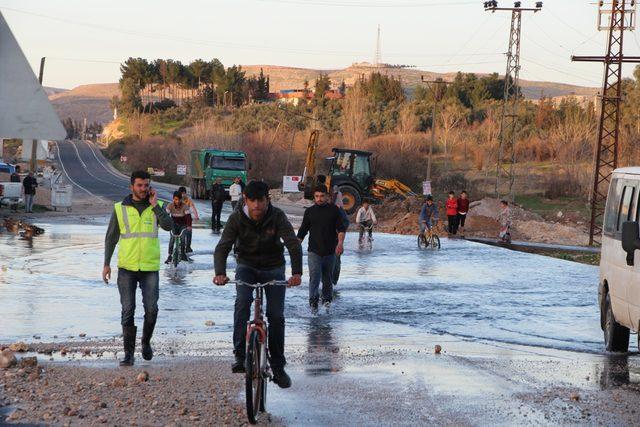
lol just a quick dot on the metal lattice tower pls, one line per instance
(377, 58)
(511, 98)
(614, 18)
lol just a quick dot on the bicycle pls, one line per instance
(258, 370)
(429, 239)
(178, 250)
(366, 241)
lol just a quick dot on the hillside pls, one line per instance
(293, 78)
(90, 101)
(93, 101)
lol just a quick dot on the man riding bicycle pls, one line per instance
(179, 212)
(428, 214)
(366, 219)
(260, 232)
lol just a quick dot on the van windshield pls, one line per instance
(228, 163)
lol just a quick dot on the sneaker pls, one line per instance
(189, 251)
(281, 378)
(238, 366)
(168, 260)
(185, 258)
(327, 305)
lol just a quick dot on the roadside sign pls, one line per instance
(290, 184)
(158, 172)
(181, 170)
(426, 187)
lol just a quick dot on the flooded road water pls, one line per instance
(520, 333)
(51, 287)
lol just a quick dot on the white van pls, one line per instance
(619, 290)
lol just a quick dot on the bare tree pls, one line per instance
(354, 119)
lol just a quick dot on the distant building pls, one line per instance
(295, 96)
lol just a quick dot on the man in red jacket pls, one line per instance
(463, 210)
(452, 212)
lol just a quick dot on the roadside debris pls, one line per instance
(7, 359)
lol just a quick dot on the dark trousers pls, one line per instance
(148, 281)
(275, 311)
(452, 223)
(321, 268)
(216, 209)
(461, 220)
(366, 226)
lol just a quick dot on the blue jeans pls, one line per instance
(275, 311)
(148, 281)
(321, 268)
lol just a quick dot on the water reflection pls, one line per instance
(615, 372)
(323, 352)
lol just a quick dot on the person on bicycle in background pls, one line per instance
(366, 219)
(191, 215)
(260, 231)
(428, 214)
(179, 212)
(504, 218)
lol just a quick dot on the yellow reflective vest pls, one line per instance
(139, 246)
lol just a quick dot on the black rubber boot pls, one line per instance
(238, 365)
(147, 332)
(281, 378)
(129, 338)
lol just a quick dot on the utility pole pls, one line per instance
(34, 144)
(615, 17)
(437, 88)
(511, 97)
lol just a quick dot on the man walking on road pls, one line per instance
(326, 229)
(134, 228)
(29, 184)
(235, 192)
(259, 231)
(218, 196)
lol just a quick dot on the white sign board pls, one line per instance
(290, 184)
(181, 170)
(42, 149)
(426, 187)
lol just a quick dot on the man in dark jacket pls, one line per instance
(325, 225)
(29, 184)
(218, 196)
(260, 232)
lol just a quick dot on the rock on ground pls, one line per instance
(191, 392)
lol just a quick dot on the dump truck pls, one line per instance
(351, 171)
(209, 164)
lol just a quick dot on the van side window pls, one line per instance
(625, 206)
(613, 204)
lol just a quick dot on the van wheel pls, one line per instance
(616, 336)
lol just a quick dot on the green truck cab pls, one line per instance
(209, 164)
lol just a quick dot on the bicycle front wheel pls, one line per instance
(175, 257)
(254, 380)
(422, 242)
(435, 242)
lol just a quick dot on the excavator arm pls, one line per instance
(309, 173)
(382, 188)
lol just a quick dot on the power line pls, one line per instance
(208, 43)
(560, 71)
(368, 4)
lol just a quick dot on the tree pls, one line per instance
(323, 85)
(354, 119)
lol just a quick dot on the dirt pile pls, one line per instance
(401, 217)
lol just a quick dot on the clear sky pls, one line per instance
(85, 40)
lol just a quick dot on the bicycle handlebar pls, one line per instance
(259, 285)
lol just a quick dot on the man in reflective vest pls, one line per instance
(134, 228)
